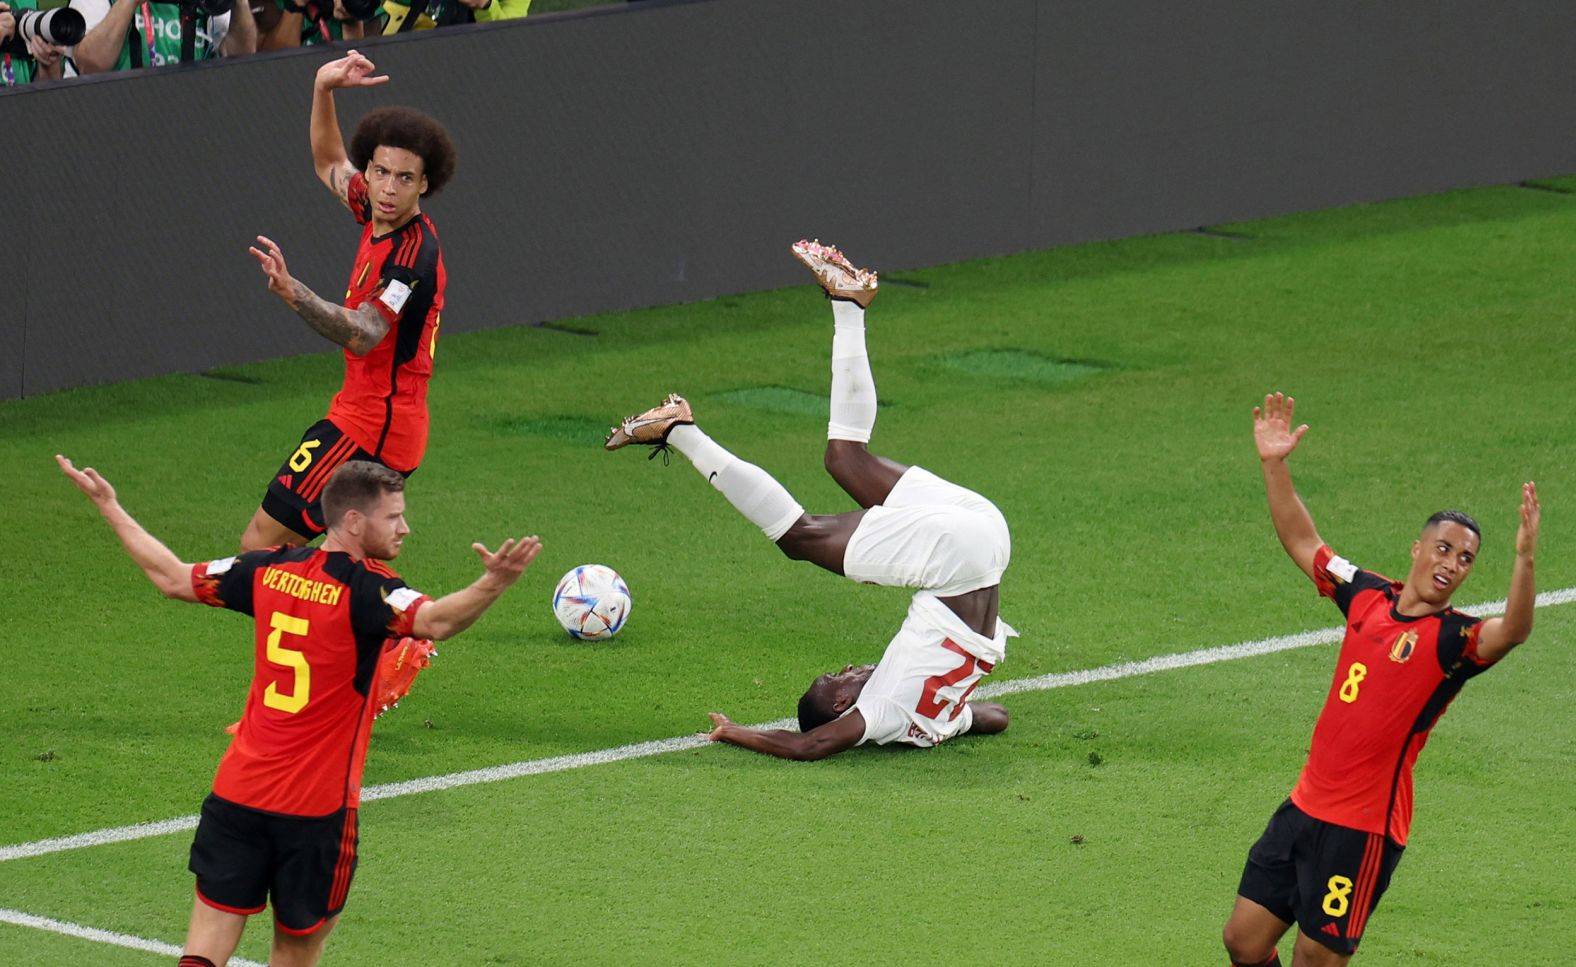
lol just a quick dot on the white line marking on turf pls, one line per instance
(1219, 653)
(102, 936)
(639, 750)
(101, 837)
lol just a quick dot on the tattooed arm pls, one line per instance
(338, 181)
(358, 330)
(328, 145)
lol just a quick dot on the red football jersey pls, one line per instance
(1394, 678)
(383, 402)
(321, 620)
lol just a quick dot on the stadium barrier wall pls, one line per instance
(667, 152)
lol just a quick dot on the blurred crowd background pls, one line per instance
(56, 40)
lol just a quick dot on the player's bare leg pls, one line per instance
(821, 540)
(866, 477)
(1251, 934)
(752, 491)
(264, 531)
(290, 950)
(1310, 953)
(213, 934)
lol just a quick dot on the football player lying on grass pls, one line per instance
(915, 530)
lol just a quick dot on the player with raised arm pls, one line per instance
(916, 530)
(393, 303)
(281, 825)
(1329, 850)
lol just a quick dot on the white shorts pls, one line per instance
(932, 534)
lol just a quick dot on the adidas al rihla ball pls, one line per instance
(591, 602)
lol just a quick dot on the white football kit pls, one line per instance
(945, 540)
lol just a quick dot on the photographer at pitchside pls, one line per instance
(33, 42)
(129, 34)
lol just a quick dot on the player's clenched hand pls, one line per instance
(88, 481)
(511, 558)
(1531, 515)
(351, 70)
(1272, 431)
(272, 261)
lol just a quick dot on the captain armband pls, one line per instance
(1341, 569)
(394, 295)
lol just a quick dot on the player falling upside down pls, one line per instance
(916, 530)
(1326, 857)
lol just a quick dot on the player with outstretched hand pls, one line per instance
(1329, 850)
(916, 530)
(281, 825)
(393, 302)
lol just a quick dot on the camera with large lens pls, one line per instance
(59, 25)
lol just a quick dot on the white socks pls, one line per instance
(751, 490)
(853, 388)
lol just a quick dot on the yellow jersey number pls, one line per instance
(295, 700)
(1336, 901)
(1354, 678)
(302, 458)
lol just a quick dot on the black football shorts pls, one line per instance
(245, 858)
(1325, 878)
(295, 495)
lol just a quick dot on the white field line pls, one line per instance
(103, 936)
(1219, 653)
(120, 834)
(1203, 656)
(639, 750)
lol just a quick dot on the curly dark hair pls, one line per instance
(413, 130)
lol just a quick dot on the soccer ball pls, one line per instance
(591, 602)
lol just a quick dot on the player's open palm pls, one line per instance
(351, 70)
(272, 262)
(511, 559)
(88, 481)
(1272, 427)
(1531, 516)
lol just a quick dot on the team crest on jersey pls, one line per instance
(1403, 647)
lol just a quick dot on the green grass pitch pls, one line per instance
(1100, 395)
